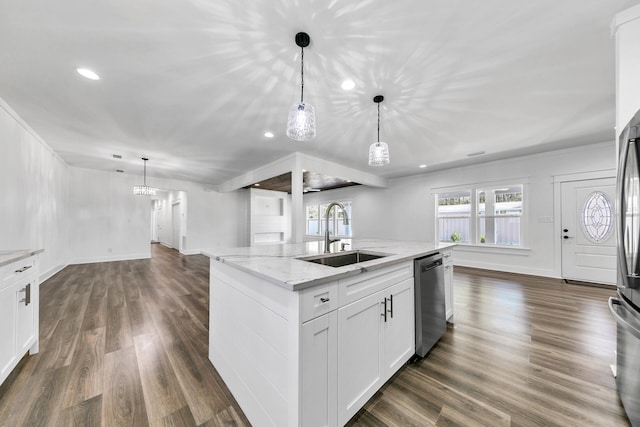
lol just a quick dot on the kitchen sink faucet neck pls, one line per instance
(345, 220)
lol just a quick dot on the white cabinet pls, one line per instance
(447, 257)
(360, 339)
(399, 331)
(8, 308)
(319, 371)
(375, 338)
(25, 324)
(311, 357)
(18, 313)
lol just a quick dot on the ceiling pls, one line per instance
(194, 84)
(311, 182)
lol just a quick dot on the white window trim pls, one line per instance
(473, 220)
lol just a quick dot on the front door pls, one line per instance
(588, 230)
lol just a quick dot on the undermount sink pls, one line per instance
(344, 258)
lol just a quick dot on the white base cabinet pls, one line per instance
(18, 313)
(375, 338)
(315, 356)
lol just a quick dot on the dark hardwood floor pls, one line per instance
(524, 351)
(125, 344)
(122, 344)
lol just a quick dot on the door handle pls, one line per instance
(23, 269)
(391, 305)
(384, 312)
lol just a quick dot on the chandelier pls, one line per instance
(144, 189)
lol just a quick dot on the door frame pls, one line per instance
(557, 208)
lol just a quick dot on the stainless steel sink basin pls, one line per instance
(344, 258)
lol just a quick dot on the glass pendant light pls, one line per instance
(144, 190)
(379, 151)
(301, 125)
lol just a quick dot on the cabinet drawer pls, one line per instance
(318, 300)
(447, 257)
(354, 288)
(11, 272)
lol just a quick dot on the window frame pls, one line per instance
(475, 217)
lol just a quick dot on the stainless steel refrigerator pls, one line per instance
(626, 307)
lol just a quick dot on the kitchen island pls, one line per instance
(304, 344)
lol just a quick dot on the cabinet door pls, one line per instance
(399, 342)
(7, 330)
(319, 371)
(360, 337)
(25, 328)
(448, 291)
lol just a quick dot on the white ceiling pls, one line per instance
(194, 84)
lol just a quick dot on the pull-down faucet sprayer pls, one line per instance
(345, 221)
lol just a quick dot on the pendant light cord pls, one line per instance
(302, 75)
(378, 122)
(145, 171)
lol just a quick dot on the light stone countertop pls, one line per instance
(279, 264)
(7, 257)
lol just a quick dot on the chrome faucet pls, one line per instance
(345, 221)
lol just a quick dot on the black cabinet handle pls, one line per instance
(384, 312)
(391, 305)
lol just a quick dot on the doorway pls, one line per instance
(588, 235)
(176, 221)
(169, 219)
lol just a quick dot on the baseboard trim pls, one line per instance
(111, 258)
(52, 272)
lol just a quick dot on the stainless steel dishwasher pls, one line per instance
(431, 319)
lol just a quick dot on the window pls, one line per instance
(316, 220)
(485, 215)
(454, 216)
(499, 213)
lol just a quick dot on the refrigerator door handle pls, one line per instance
(619, 320)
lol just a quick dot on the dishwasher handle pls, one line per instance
(430, 266)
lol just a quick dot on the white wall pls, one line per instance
(113, 224)
(406, 209)
(34, 188)
(108, 222)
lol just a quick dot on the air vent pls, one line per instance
(477, 153)
(116, 156)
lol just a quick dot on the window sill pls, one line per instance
(493, 249)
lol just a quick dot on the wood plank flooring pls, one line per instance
(122, 344)
(126, 344)
(524, 351)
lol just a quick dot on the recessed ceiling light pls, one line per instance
(87, 73)
(423, 166)
(256, 185)
(269, 134)
(348, 84)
